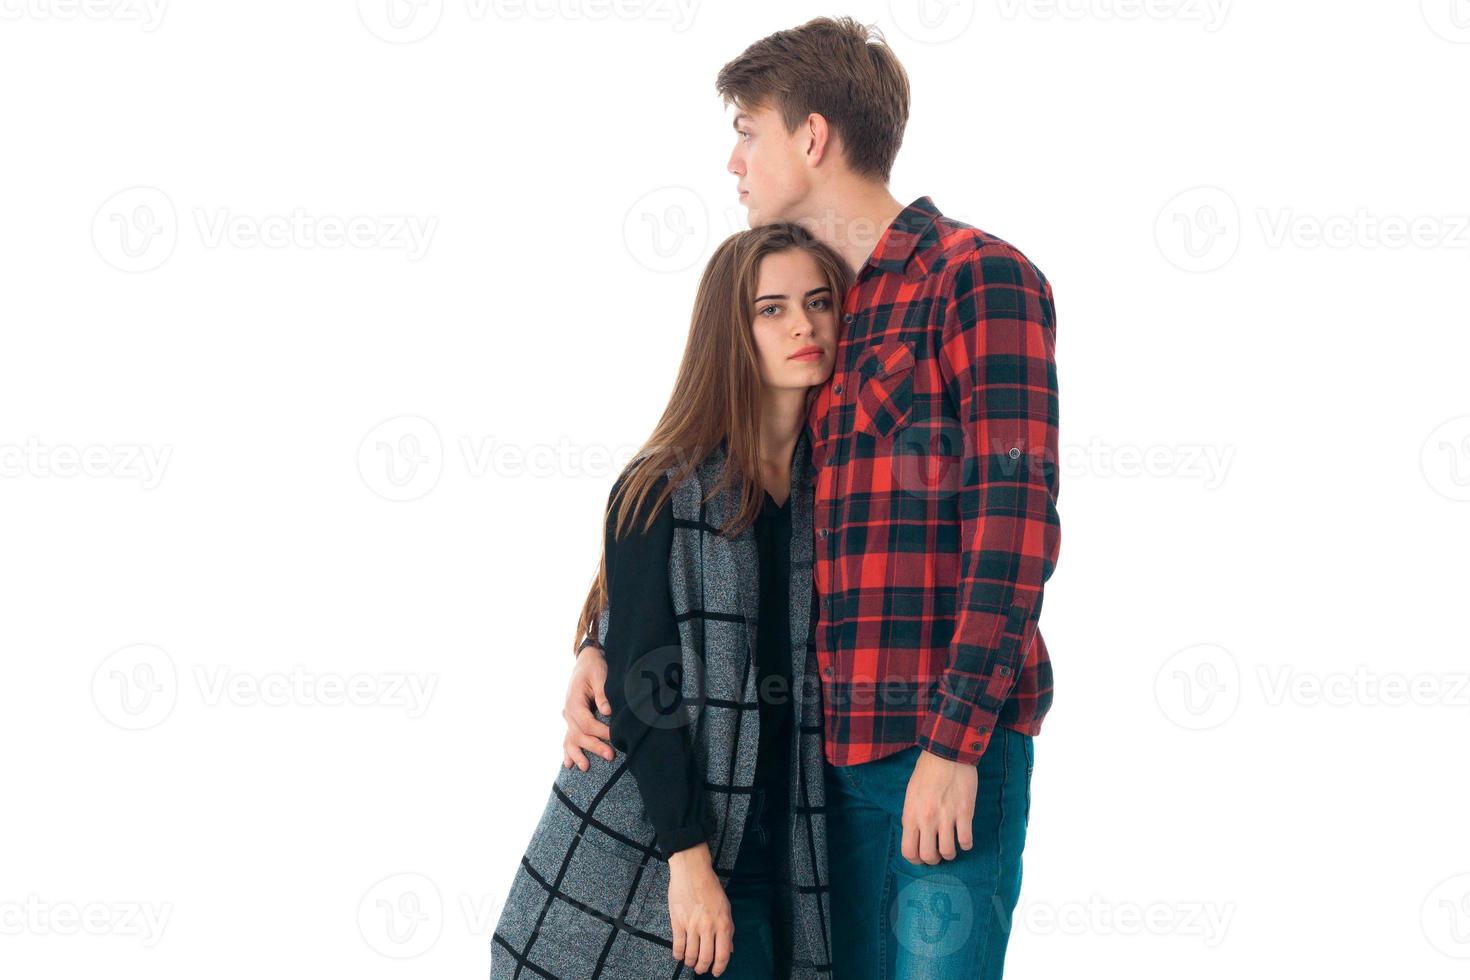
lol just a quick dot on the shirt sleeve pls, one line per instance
(998, 363)
(644, 689)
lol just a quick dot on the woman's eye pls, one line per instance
(820, 304)
(773, 306)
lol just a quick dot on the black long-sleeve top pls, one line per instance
(644, 659)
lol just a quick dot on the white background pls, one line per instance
(245, 461)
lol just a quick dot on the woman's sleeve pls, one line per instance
(644, 661)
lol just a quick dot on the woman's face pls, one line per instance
(794, 321)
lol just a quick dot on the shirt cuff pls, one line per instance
(957, 731)
(671, 842)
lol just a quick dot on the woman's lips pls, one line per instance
(811, 355)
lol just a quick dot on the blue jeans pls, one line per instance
(762, 947)
(892, 920)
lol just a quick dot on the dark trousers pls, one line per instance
(758, 897)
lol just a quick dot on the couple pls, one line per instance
(812, 643)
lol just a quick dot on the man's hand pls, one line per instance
(584, 731)
(938, 809)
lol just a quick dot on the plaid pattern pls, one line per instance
(936, 442)
(590, 898)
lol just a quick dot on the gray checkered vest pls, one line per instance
(590, 898)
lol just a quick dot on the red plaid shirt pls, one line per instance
(936, 446)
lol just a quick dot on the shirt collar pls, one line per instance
(900, 241)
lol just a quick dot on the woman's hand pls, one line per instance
(584, 731)
(699, 912)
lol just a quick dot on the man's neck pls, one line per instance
(850, 215)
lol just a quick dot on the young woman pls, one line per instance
(700, 846)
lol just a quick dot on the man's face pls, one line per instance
(769, 165)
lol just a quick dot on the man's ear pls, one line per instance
(818, 137)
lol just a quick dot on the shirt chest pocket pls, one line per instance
(885, 388)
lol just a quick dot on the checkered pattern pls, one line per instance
(590, 898)
(936, 442)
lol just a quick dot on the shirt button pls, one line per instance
(1015, 453)
(837, 389)
(847, 318)
(1005, 671)
(974, 746)
(822, 533)
(826, 671)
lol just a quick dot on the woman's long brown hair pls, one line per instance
(716, 395)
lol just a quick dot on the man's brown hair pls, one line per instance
(834, 66)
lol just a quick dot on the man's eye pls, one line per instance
(743, 134)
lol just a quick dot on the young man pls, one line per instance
(935, 516)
